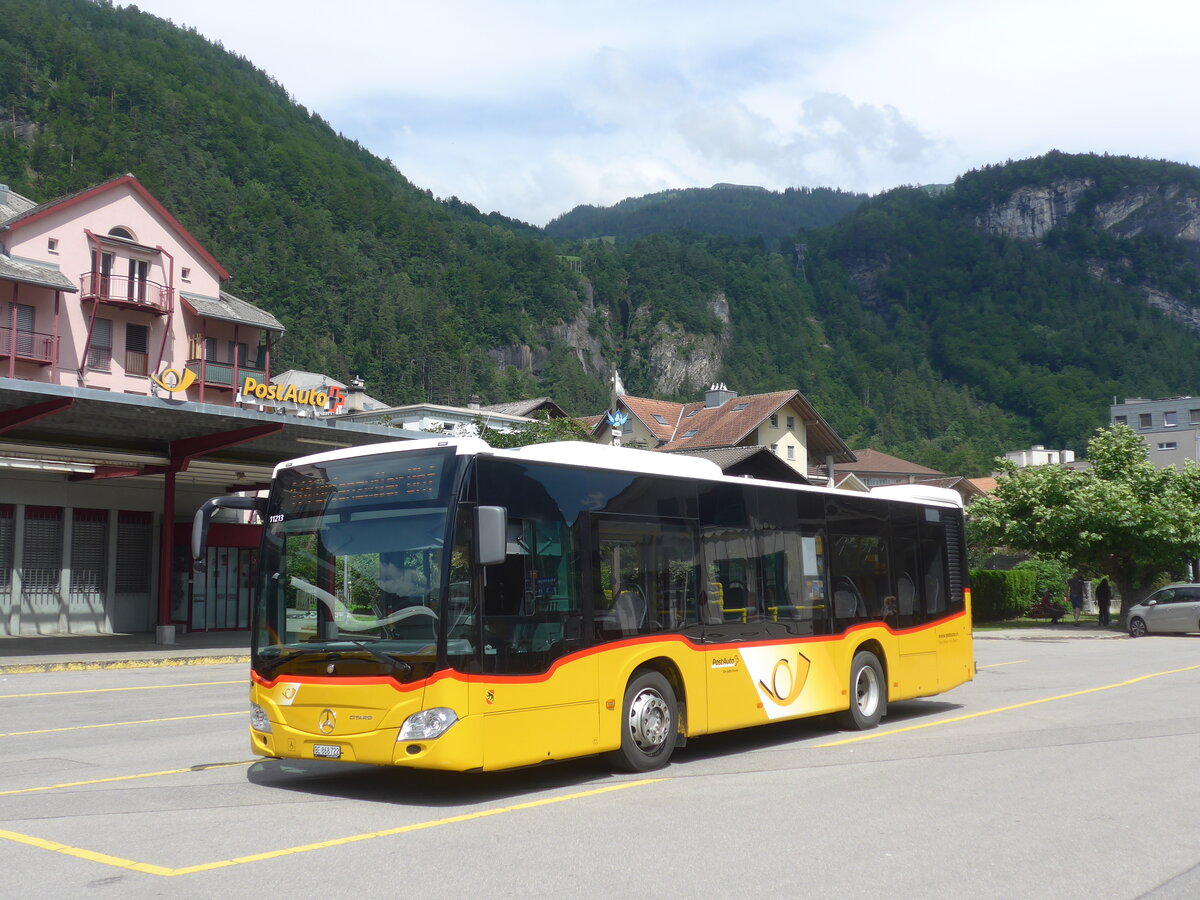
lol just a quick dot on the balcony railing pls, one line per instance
(220, 374)
(31, 346)
(126, 292)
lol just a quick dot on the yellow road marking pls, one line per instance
(151, 869)
(998, 665)
(71, 784)
(145, 687)
(119, 724)
(987, 712)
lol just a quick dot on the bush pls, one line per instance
(1049, 574)
(1001, 595)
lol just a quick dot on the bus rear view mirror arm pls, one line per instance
(205, 513)
(490, 539)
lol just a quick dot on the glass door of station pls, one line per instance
(221, 593)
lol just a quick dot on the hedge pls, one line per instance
(1001, 595)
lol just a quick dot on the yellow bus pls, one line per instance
(441, 604)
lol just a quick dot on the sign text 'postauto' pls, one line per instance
(289, 393)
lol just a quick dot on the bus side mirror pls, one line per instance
(205, 513)
(490, 543)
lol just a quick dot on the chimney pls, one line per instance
(717, 395)
(354, 395)
(473, 402)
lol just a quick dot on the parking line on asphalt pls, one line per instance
(998, 665)
(71, 784)
(119, 724)
(145, 687)
(870, 736)
(151, 869)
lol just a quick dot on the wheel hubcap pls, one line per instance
(649, 720)
(867, 691)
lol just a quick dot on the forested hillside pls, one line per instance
(942, 326)
(733, 210)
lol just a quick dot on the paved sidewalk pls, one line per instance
(65, 653)
(78, 652)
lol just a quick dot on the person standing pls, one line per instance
(1075, 594)
(1103, 599)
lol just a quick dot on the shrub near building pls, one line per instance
(996, 596)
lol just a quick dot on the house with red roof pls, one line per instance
(783, 422)
(875, 469)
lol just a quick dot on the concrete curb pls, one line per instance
(96, 664)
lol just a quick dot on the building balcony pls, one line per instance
(31, 346)
(126, 293)
(219, 375)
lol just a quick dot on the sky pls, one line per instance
(532, 107)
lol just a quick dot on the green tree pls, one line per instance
(1122, 517)
(541, 431)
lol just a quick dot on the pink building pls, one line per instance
(107, 289)
(120, 364)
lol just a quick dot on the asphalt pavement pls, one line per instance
(79, 652)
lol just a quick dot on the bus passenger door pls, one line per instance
(537, 692)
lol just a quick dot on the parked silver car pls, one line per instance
(1175, 608)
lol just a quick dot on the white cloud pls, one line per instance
(532, 106)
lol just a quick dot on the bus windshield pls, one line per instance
(354, 564)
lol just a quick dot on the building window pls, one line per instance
(52, 245)
(24, 318)
(89, 553)
(1170, 419)
(42, 559)
(1143, 420)
(774, 421)
(121, 232)
(137, 341)
(740, 407)
(1194, 416)
(791, 451)
(659, 419)
(1167, 445)
(775, 449)
(1124, 420)
(100, 349)
(691, 412)
(139, 273)
(791, 420)
(692, 432)
(185, 273)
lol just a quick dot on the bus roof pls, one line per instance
(620, 459)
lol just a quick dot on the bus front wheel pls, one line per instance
(648, 724)
(868, 696)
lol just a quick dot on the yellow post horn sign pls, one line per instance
(174, 380)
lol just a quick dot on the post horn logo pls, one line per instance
(785, 684)
(174, 380)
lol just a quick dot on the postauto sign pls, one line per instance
(289, 393)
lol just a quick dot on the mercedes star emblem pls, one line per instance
(327, 721)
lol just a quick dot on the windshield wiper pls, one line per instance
(397, 665)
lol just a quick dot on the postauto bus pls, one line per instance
(440, 604)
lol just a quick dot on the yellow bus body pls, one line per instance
(575, 708)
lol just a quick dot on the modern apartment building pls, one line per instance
(1170, 427)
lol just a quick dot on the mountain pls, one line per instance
(735, 210)
(943, 325)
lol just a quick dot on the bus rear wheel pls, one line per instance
(868, 697)
(648, 723)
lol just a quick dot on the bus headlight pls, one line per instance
(427, 724)
(258, 719)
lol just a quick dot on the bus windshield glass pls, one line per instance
(354, 563)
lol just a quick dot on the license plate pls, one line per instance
(327, 751)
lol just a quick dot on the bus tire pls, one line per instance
(649, 717)
(868, 693)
